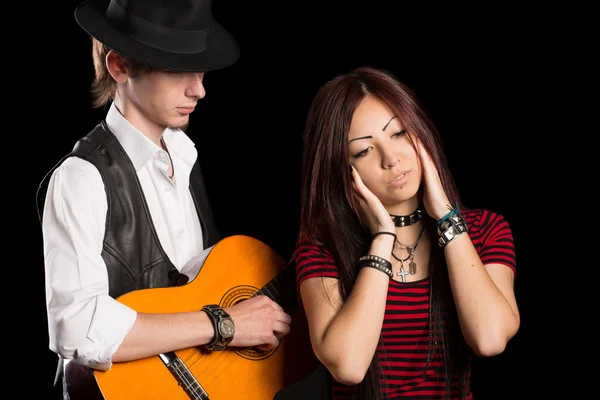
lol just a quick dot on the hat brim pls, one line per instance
(222, 50)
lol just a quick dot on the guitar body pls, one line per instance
(235, 270)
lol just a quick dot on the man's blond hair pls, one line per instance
(104, 87)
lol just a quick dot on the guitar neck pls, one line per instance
(282, 287)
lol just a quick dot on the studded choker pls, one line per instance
(405, 220)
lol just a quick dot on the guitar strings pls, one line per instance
(183, 378)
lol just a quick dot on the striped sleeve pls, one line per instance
(497, 244)
(313, 262)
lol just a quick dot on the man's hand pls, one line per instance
(259, 321)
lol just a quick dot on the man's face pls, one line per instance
(161, 99)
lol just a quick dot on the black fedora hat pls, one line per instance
(180, 35)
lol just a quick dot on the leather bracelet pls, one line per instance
(381, 260)
(373, 262)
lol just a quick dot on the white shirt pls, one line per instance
(84, 322)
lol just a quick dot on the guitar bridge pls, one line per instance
(184, 377)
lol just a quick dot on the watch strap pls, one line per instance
(216, 314)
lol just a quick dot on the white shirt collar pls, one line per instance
(140, 148)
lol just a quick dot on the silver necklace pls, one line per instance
(412, 265)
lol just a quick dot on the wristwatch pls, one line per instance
(223, 324)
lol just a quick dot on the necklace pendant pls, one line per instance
(412, 268)
(402, 273)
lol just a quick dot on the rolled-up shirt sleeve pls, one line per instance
(85, 323)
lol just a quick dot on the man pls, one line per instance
(127, 208)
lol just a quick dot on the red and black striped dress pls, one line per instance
(405, 327)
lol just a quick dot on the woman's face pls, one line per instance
(380, 150)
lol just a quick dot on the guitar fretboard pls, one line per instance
(184, 377)
(282, 287)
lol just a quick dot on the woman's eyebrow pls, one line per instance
(386, 125)
(371, 137)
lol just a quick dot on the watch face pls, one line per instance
(227, 328)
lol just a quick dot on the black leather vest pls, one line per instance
(132, 252)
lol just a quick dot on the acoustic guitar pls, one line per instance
(237, 268)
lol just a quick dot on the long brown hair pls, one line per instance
(329, 216)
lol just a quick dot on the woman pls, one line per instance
(401, 285)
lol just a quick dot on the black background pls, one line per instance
(474, 71)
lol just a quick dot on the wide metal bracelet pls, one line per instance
(452, 232)
(451, 221)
